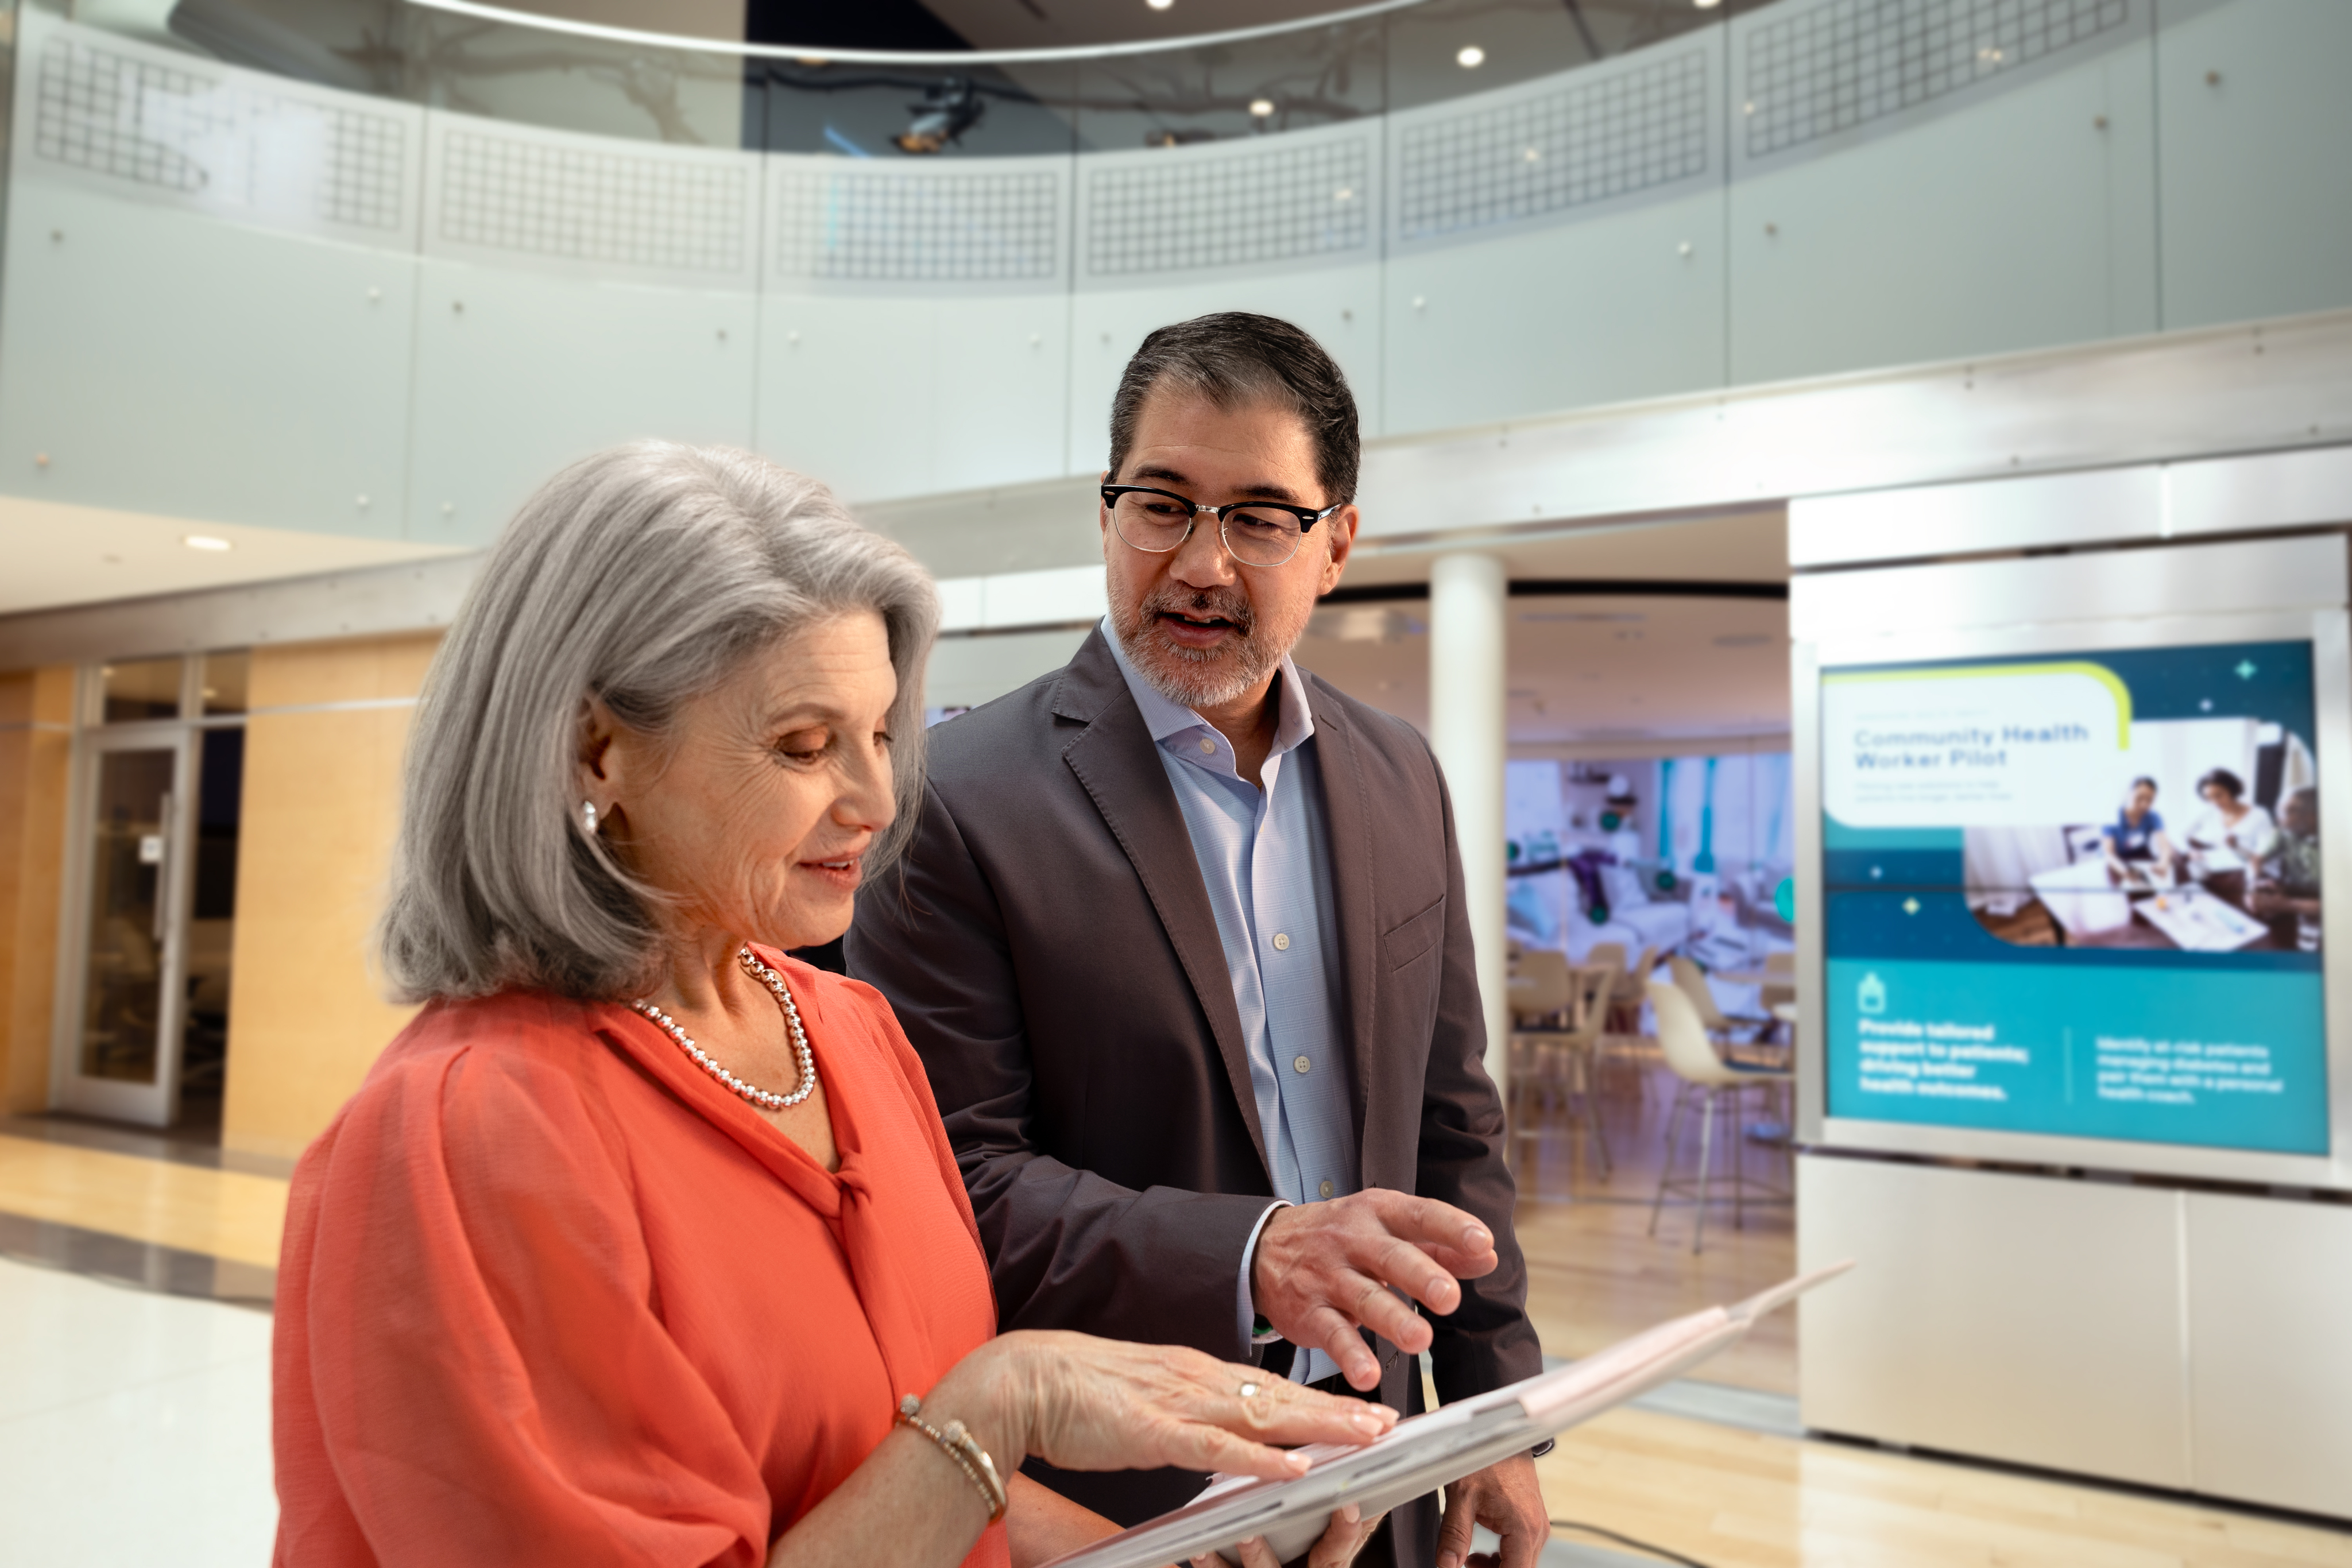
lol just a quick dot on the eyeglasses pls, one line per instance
(1255, 533)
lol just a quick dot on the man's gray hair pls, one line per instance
(643, 576)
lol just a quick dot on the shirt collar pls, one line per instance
(1294, 724)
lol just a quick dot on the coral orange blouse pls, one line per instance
(550, 1295)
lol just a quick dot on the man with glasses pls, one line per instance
(1181, 943)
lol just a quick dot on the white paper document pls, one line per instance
(1429, 1452)
(2200, 922)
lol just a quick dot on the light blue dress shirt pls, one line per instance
(1265, 858)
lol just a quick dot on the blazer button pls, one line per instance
(1300, 1065)
(1282, 941)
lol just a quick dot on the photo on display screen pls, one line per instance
(2078, 895)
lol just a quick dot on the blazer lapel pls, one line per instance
(1118, 766)
(1355, 874)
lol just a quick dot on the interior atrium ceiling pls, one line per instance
(929, 25)
(1594, 672)
(1034, 24)
(61, 554)
(1603, 27)
(1590, 674)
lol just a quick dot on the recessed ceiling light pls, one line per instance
(1706, 5)
(1261, 106)
(204, 541)
(1471, 57)
(1160, 4)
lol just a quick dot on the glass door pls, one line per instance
(119, 1045)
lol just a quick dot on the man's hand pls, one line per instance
(1322, 1270)
(1507, 1499)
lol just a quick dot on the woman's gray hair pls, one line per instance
(642, 575)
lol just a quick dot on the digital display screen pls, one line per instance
(2077, 894)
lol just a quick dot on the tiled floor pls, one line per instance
(134, 1426)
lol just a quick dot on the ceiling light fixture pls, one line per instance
(205, 541)
(1160, 4)
(1706, 5)
(1471, 57)
(1261, 108)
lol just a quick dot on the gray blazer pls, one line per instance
(1049, 946)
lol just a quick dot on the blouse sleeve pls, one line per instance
(491, 1379)
(2257, 835)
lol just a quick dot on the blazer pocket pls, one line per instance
(1413, 937)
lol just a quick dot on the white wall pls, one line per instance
(235, 298)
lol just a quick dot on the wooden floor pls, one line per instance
(1595, 1273)
(1734, 1499)
(1730, 1498)
(224, 1214)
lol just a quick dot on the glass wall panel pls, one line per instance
(900, 111)
(347, 44)
(135, 689)
(1319, 75)
(222, 690)
(122, 999)
(203, 1048)
(568, 83)
(1449, 48)
(1225, 92)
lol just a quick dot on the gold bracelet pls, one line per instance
(957, 1444)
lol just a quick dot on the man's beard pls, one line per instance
(1197, 678)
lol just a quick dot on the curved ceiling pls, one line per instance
(932, 26)
(1590, 675)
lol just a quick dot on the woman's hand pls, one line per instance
(1106, 1405)
(1346, 1536)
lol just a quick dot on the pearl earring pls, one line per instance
(588, 817)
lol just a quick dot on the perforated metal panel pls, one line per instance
(1171, 211)
(1829, 68)
(1630, 131)
(535, 195)
(951, 224)
(119, 114)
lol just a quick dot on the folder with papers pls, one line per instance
(1428, 1451)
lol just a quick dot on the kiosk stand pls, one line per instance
(2077, 1092)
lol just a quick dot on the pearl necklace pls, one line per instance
(757, 1096)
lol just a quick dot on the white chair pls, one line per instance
(1692, 981)
(1716, 1091)
(1557, 1015)
(1539, 987)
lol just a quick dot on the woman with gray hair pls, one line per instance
(643, 1243)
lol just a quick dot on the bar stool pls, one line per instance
(1713, 1088)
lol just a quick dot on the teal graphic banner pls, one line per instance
(2078, 895)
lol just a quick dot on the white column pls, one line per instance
(1468, 616)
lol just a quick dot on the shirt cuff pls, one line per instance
(1244, 1311)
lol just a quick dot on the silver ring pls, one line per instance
(1249, 1390)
